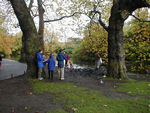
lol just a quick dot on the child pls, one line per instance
(70, 62)
(51, 66)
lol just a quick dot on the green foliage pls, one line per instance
(137, 46)
(17, 46)
(95, 40)
(148, 1)
(84, 100)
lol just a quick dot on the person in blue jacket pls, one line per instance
(40, 59)
(51, 66)
(60, 58)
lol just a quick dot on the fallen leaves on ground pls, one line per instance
(74, 109)
(100, 101)
(93, 98)
(105, 105)
(65, 108)
(26, 108)
(29, 93)
(82, 100)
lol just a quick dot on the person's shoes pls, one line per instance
(101, 82)
(104, 76)
(62, 79)
(40, 78)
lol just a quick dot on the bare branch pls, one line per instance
(34, 15)
(140, 19)
(63, 17)
(99, 20)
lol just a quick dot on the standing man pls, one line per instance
(40, 59)
(60, 58)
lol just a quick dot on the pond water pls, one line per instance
(11, 68)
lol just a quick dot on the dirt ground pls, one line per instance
(14, 92)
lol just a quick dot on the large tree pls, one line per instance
(120, 11)
(30, 35)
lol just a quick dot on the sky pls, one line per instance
(65, 28)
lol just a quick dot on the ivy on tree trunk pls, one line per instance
(30, 36)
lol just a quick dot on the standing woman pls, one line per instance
(51, 66)
(98, 60)
(40, 59)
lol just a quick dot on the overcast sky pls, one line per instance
(65, 28)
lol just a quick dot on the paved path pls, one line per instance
(11, 67)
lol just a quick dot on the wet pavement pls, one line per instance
(11, 68)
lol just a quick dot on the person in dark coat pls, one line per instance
(40, 59)
(60, 58)
(51, 66)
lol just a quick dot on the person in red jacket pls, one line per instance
(66, 60)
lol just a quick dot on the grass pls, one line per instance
(84, 100)
(136, 88)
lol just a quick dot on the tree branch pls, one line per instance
(99, 20)
(140, 19)
(34, 15)
(30, 5)
(62, 17)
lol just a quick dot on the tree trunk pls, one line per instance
(120, 11)
(23, 56)
(41, 23)
(116, 54)
(30, 36)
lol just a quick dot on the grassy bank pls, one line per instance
(84, 100)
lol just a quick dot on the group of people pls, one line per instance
(61, 57)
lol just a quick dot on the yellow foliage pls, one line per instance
(95, 40)
(137, 45)
(6, 42)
